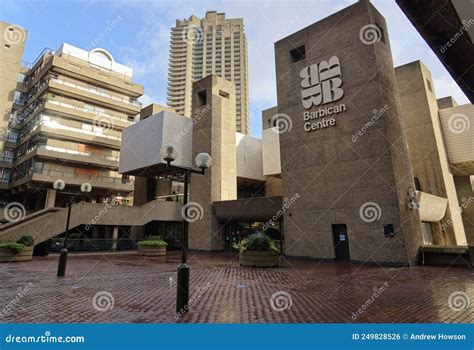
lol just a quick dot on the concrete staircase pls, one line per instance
(50, 222)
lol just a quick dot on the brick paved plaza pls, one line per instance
(127, 288)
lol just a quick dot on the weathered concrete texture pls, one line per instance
(334, 172)
(213, 132)
(427, 151)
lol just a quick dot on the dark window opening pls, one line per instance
(389, 230)
(224, 94)
(428, 83)
(417, 184)
(202, 97)
(298, 54)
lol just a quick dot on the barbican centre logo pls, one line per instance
(321, 84)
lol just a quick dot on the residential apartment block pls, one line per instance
(69, 108)
(200, 47)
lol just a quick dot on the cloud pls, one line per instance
(265, 22)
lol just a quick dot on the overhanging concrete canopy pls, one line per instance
(249, 209)
(449, 34)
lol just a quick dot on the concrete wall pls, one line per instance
(214, 133)
(427, 150)
(335, 176)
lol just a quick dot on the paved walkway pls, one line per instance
(126, 288)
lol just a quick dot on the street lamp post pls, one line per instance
(59, 185)
(203, 162)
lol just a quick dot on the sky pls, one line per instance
(137, 32)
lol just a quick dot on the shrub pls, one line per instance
(256, 242)
(27, 241)
(156, 242)
(14, 247)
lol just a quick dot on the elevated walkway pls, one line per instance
(50, 222)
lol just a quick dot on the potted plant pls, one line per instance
(152, 246)
(21, 250)
(257, 250)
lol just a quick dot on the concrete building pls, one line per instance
(65, 123)
(211, 45)
(11, 53)
(357, 160)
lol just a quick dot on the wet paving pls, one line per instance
(126, 288)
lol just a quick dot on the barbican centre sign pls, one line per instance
(321, 83)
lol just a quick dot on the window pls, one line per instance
(202, 98)
(223, 94)
(389, 230)
(298, 54)
(417, 184)
(428, 83)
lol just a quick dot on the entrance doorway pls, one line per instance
(341, 242)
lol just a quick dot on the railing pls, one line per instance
(55, 174)
(76, 152)
(86, 110)
(96, 91)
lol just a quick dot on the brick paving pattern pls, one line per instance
(143, 290)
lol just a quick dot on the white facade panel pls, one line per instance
(249, 157)
(458, 130)
(142, 141)
(271, 151)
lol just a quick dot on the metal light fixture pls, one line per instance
(59, 185)
(168, 153)
(413, 202)
(203, 161)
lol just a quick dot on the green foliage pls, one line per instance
(27, 241)
(153, 241)
(14, 247)
(257, 242)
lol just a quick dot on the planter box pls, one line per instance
(6, 255)
(259, 259)
(152, 251)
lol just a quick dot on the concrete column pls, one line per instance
(115, 238)
(213, 132)
(50, 198)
